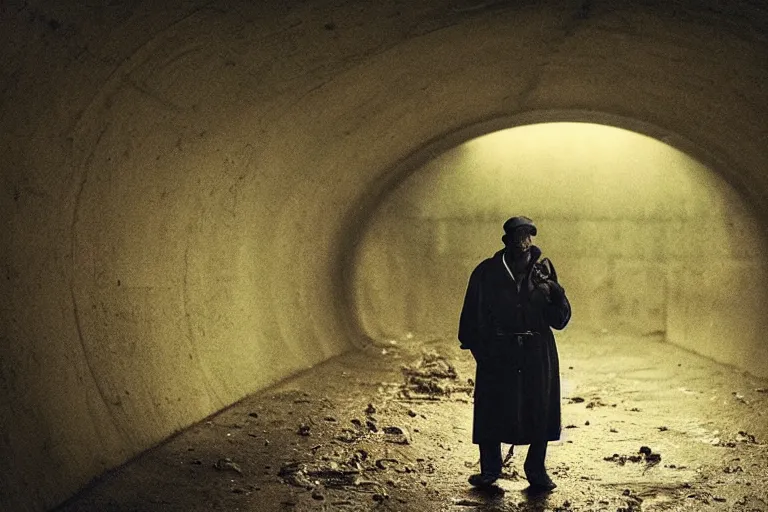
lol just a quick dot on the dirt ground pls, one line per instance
(647, 426)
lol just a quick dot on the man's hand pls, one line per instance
(541, 294)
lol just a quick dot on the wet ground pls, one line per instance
(647, 426)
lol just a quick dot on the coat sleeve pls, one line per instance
(558, 311)
(473, 324)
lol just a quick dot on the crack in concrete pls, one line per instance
(152, 95)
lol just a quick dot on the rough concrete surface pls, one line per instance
(183, 183)
(646, 239)
(647, 426)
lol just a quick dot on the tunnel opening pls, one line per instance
(166, 164)
(650, 235)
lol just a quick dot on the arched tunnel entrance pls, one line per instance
(647, 234)
(184, 185)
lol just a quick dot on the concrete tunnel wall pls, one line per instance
(183, 183)
(646, 240)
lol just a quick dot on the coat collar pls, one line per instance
(535, 255)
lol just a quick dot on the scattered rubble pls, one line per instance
(745, 437)
(397, 435)
(468, 503)
(383, 463)
(741, 437)
(380, 496)
(622, 459)
(702, 496)
(645, 455)
(352, 455)
(596, 402)
(750, 504)
(348, 435)
(227, 464)
(632, 505)
(330, 475)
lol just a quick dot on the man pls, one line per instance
(512, 302)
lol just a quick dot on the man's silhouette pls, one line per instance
(513, 301)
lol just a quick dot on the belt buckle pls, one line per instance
(521, 335)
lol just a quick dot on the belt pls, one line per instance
(518, 337)
(526, 334)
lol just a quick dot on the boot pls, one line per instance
(534, 468)
(483, 479)
(490, 465)
(540, 481)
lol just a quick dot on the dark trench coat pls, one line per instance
(517, 385)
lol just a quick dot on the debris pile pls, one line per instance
(745, 437)
(741, 437)
(596, 402)
(633, 504)
(593, 402)
(645, 454)
(430, 378)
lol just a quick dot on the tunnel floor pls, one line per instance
(389, 428)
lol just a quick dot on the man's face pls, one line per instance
(520, 240)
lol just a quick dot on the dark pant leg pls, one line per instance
(537, 453)
(490, 458)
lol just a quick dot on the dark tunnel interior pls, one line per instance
(201, 199)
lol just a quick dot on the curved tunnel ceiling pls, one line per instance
(644, 238)
(182, 183)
